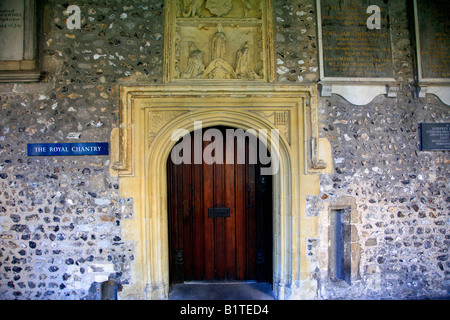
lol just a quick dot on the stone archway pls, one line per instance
(149, 116)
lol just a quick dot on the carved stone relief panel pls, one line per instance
(157, 119)
(280, 119)
(212, 40)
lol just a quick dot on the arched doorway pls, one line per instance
(142, 143)
(219, 209)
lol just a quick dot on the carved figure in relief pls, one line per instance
(219, 44)
(244, 64)
(192, 8)
(219, 7)
(195, 66)
(219, 68)
(247, 6)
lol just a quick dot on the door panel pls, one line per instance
(236, 247)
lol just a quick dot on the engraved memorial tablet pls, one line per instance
(19, 34)
(433, 40)
(355, 40)
(434, 136)
(11, 29)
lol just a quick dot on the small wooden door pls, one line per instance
(220, 219)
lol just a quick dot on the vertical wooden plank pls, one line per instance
(208, 231)
(219, 237)
(176, 222)
(251, 216)
(185, 214)
(180, 254)
(198, 224)
(241, 224)
(261, 184)
(230, 222)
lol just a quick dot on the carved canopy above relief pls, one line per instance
(218, 40)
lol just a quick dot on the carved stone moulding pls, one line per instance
(273, 104)
(213, 41)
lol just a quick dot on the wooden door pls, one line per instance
(220, 219)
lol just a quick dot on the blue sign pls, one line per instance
(68, 149)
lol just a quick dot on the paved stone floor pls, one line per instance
(221, 291)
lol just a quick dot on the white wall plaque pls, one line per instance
(19, 32)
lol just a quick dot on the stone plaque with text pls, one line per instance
(11, 29)
(434, 136)
(433, 39)
(20, 31)
(349, 47)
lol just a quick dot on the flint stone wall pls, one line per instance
(60, 218)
